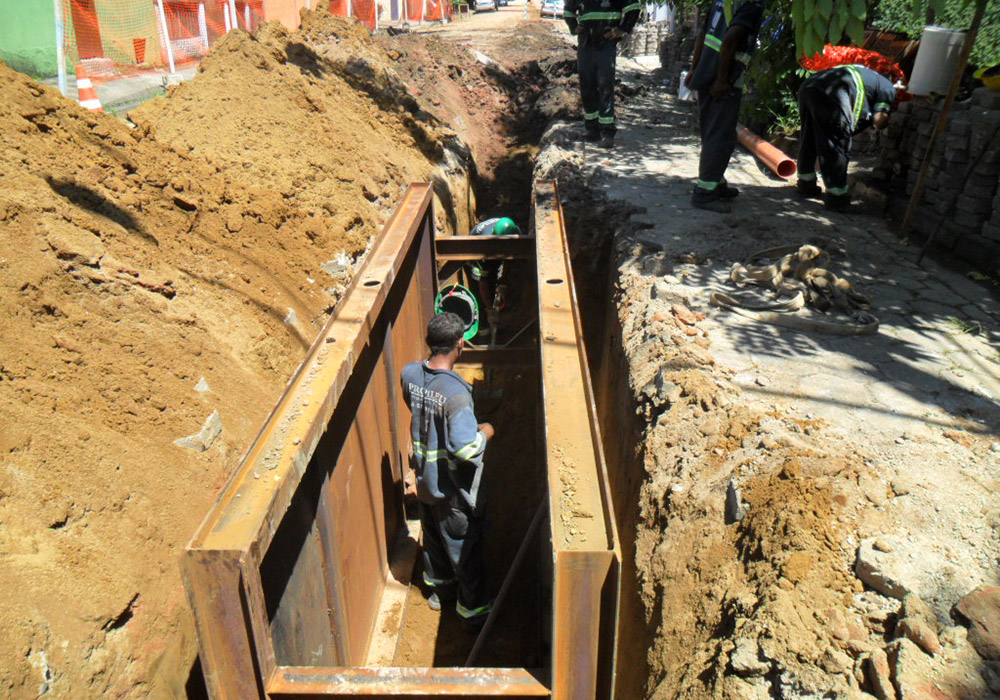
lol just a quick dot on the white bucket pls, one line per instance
(936, 60)
(684, 93)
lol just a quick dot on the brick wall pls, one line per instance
(968, 200)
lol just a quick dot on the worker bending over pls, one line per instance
(599, 25)
(836, 104)
(448, 447)
(721, 55)
(487, 274)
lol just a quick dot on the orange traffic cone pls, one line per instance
(88, 95)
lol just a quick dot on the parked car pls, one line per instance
(552, 8)
(480, 5)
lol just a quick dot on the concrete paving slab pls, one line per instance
(911, 372)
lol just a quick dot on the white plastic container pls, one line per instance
(936, 60)
(684, 93)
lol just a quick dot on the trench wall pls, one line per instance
(968, 201)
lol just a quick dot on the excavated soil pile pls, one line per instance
(153, 278)
(269, 109)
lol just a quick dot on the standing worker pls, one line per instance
(835, 104)
(448, 446)
(721, 55)
(599, 25)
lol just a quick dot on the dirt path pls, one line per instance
(879, 448)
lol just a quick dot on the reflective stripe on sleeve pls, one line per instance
(859, 96)
(713, 42)
(472, 448)
(631, 8)
(593, 16)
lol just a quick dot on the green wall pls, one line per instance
(28, 36)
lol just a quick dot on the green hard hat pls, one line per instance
(506, 227)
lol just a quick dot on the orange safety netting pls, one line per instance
(116, 37)
(833, 56)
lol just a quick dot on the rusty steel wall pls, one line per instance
(286, 574)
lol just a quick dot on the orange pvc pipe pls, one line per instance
(782, 165)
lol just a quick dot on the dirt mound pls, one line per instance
(156, 280)
(269, 109)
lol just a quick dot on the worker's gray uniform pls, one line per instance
(718, 116)
(834, 105)
(448, 460)
(590, 20)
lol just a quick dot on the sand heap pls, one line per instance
(151, 278)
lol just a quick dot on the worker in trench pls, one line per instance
(599, 26)
(835, 104)
(721, 54)
(487, 274)
(448, 448)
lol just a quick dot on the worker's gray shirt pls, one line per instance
(447, 443)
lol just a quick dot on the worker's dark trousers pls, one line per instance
(453, 556)
(595, 59)
(717, 118)
(826, 132)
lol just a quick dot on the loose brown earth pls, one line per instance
(141, 260)
(138, 262)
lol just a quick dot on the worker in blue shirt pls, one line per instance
(599, 26)
(448, 448)
(834, 105)
(721, 55)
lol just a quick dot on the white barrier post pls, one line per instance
(350, 9)
(232, 10)
(166, 36)
(203, 24)
(246, 15)
(60, 49)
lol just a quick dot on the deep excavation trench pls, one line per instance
(517, 484)
(591, 223)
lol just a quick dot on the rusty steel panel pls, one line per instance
(249, 509)
(413, 683)
(584, 537)
(213, 582)
(485, 248)
(320, 498)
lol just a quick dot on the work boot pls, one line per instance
(710, 200)
(837, 202)
(592, 136)
(808, 188)
(607, 141)
(434, 600)
(727, 191)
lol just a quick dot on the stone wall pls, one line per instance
(964, 177)
(645, 39)
(675, 50)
